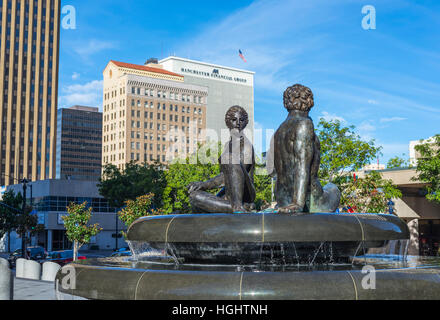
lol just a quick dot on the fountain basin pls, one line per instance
(266, 237)
(255, 256)
(268, 227)
(117, 280)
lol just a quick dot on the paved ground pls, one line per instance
(33, 290)
(25, 289)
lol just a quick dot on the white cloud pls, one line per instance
(75, 76)
(88, 94)
(329, 117)
(367, 126)
(372, 101)
(392, 119)
(260, 31)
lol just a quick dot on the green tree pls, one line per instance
(370, 194)
(428, 167)
(118, 186)
(28, 223)
(12, 217)
(178, 177)
(397, 162)
(263, 188)
(10, 208)
(135, 209)
(342, 150)
(77, 226)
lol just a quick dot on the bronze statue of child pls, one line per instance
(237, 164)
(296, 159)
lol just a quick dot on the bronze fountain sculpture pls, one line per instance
(297, 160)
(300, 250)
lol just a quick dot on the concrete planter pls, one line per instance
(32, 270)
(19, 267)
(6, 281)
(50, 270)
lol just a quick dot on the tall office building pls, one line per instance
(150, 114)
(79, 143)
(28, 88)
(226, 87)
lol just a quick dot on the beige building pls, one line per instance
(422, 216)
(150, 114)
(28, 85)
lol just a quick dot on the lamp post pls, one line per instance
(116, 233)
(23, 234)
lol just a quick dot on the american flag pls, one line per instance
(241, 55)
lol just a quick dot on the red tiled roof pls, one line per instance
(144, 68)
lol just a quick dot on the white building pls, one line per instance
(413, 154)
(373, 166)
(226, 87)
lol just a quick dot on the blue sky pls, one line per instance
(383, 81)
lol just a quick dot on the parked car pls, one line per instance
(62, 257)
(33, 253)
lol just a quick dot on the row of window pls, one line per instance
(150, 125)
(147, 157)
(112, 137)
(167, 95)
(163, 138)
(53, 203)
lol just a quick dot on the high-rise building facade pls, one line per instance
(150, 114)
(29, 57)
(226, 87)
(79, 143)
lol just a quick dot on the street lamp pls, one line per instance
(23, 234)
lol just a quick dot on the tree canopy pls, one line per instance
(369, 194)
(12, 217)
(10, 208)
(342, 150)
(118, 186)
(138, 208)
(78, 229)
(428, 167)
(179, 176)
(397, 162)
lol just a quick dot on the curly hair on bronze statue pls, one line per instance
(298, 97)
(230, 114)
